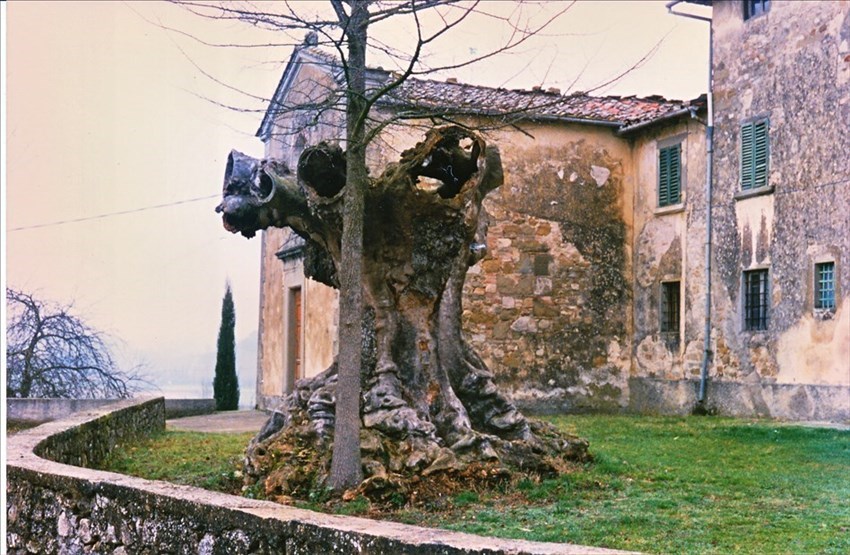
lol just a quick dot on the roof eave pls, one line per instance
(264, 131)
(690, 110)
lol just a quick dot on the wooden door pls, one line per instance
(297, 329)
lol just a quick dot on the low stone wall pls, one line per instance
(178, 408)
(89, 442)
(46, 410)
(795, 402)
(53, 507)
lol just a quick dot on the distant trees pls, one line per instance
(225, 383)
(52, 353)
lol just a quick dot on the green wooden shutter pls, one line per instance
(755, 147)
(669, 175)
(747, 166)
(760, 153)
(675, 174)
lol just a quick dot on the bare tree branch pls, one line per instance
(52, 353)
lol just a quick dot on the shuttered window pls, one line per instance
(670, 175)
(754, 154)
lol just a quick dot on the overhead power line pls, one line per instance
(110, 214)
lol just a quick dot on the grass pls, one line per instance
(209, 461)
(683, 485)
(658, 485)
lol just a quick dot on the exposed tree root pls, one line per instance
(290, 457)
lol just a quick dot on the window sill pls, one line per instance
(750, 193)
(823, 314)
(672, 209)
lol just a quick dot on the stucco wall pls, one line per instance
(792, 66)
(291, 132)
(270, 355)
(548, 307)
(669, 245)
(53, 507)
(320, 327)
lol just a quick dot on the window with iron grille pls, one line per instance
(754, 154)
(670, 291)
(755, 300)
(670, 175)
(753, 8)
(825, 285)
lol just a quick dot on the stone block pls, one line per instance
(500, 330)
(541, 264)
(491, 265)
(544, 308)
(542, 286)
(543, 229)
(525, 286)
(524, 324)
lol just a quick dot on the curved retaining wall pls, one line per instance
(45, 410)
(54, 507)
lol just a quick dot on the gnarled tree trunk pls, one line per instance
(429, 403)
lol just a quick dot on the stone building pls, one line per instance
(781, 209)
(592, 294)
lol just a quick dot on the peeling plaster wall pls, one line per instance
(270, 363)
(669, 245)
(557, 271)
(792, 66)
(548, 307)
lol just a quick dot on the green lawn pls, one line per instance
(209, 461)
(659, 485)
(687, 485)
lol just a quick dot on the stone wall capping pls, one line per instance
(46, 495)
(757, 192)
(674, 209)
(40, 410)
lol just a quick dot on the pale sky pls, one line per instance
(106, 113)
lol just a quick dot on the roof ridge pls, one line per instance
(430, 95)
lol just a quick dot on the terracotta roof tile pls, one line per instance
(477, 100)
(425, 96)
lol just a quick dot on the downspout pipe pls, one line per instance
(709, 165)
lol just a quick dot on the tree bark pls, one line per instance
(345, 465)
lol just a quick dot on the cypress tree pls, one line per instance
(225, 383)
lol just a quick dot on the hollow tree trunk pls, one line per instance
(429, 403)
